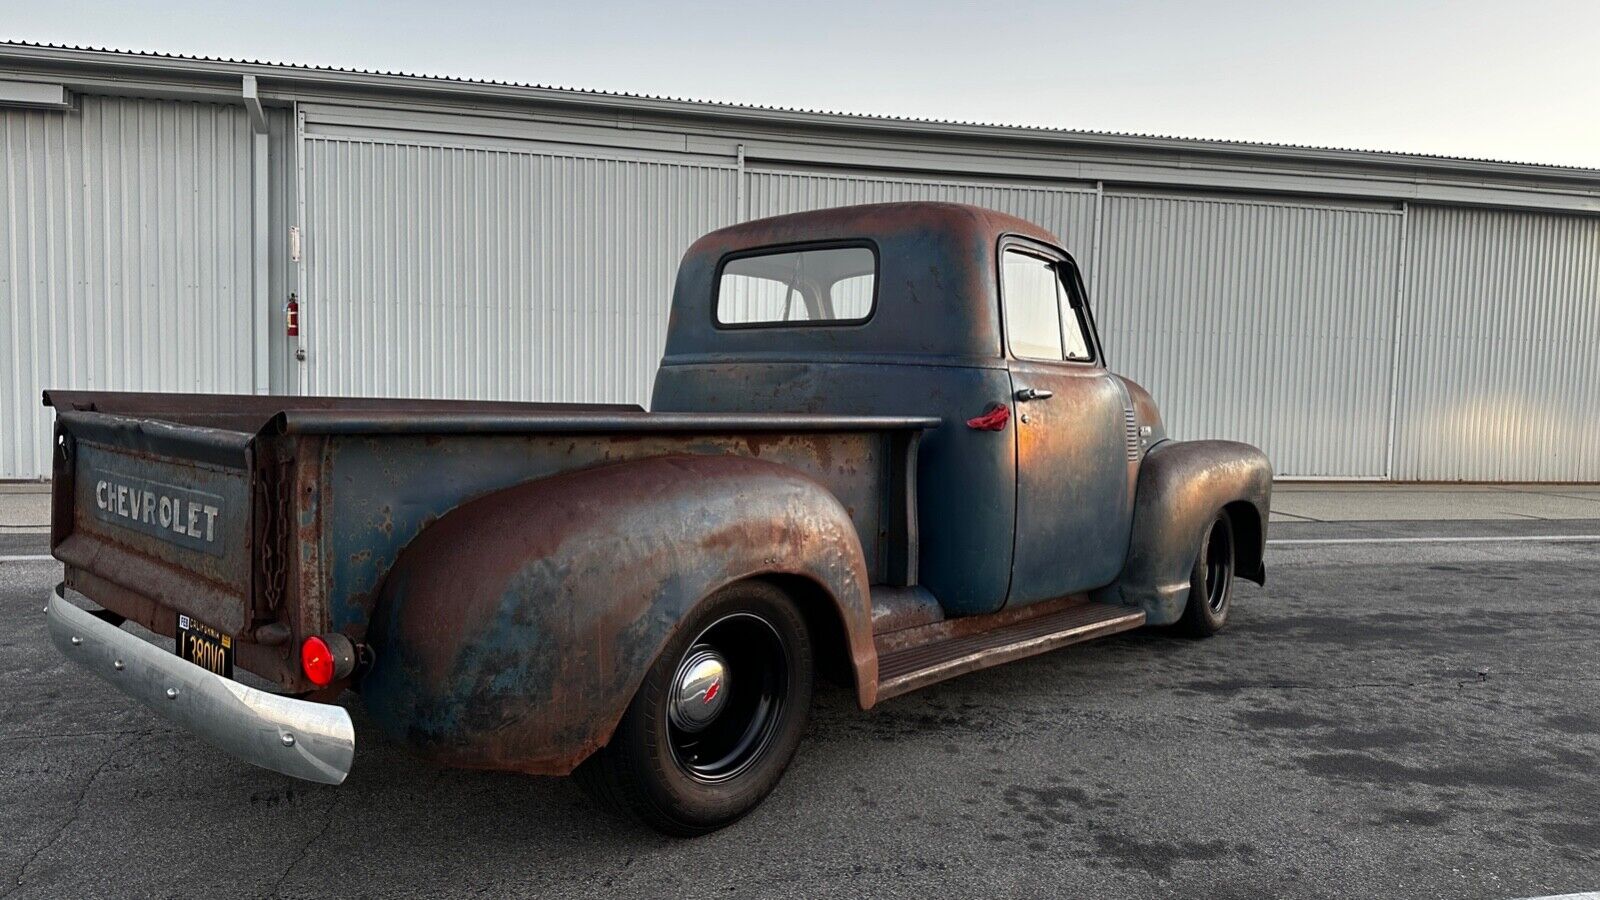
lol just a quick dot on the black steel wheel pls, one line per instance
(727, 698)
(1211, 580)
(717, 719)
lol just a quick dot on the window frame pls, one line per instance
(1078, 301)
(802, 247)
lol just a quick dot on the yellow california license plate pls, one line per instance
(205, 646)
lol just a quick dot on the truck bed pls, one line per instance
(270, 518)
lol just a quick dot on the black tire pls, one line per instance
(686, 784)
(1211, 581)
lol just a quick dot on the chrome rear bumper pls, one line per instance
(314, 741)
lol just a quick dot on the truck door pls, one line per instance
(1073, 504)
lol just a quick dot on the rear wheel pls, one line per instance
(1211, 581)
(717, 719)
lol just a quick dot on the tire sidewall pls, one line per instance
(1201, 617)
(695, 804)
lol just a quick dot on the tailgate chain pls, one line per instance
(275, 547)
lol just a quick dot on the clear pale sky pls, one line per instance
(1502, 79)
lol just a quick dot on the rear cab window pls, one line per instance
(833, 285)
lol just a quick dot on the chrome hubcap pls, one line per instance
(700, 689)
(727, 698)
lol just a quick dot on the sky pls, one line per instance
(1505, 80)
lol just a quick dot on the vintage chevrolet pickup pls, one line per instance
(884, 447)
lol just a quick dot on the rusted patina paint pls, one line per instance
(1146, 414)
(158, 509)
(966, 480)
(383, 490)
(516, 566)
(1073, 509)
(1182, 486)
(513, 632)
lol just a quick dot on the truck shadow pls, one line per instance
(479, 817)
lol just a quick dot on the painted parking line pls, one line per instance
(1462, 539)
(33, 557)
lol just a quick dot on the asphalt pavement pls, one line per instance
(1407, 717)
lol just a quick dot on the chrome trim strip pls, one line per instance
(314, 741)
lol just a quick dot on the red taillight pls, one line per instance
(316, 658)
(326, 658)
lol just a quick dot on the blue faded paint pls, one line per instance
(966, 498)
(932, 348)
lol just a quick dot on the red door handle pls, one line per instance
(993, 420)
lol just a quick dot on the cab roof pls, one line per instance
(936, 284)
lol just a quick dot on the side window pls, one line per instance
(1041, 322)
(1075, 337)
(1031, 293)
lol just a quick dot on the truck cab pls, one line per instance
(1027, 490)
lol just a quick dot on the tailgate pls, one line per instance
(159, 509)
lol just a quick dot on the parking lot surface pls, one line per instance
(1403, 718)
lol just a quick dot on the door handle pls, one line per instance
(1027, 394)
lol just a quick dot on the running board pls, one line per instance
(918, 657)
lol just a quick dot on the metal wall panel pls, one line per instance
(1499, 348)
(125, 257)
(1066, 212)
(1263, 322)
(530, 271)
(447, 271)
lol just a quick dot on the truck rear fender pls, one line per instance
(1182, 485)
(513, 632)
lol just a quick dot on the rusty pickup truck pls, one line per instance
(884, 447)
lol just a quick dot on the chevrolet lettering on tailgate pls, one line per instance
(183, 516)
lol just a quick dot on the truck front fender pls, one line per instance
(512, 633)
(1182, 486)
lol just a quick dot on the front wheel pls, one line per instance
(717, 719)
(1211, 581)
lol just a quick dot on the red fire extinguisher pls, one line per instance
(291, 316)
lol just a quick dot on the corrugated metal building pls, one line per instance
(1359, 315)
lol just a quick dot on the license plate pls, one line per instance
(205, 646)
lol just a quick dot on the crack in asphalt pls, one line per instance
(77, 808)
(305, 849)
